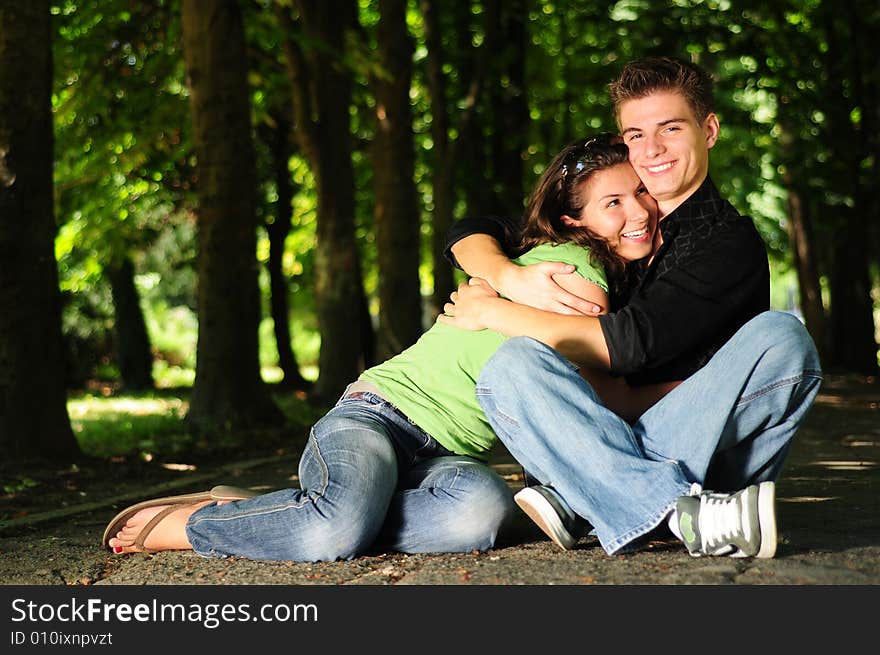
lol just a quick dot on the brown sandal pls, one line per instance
(221, 492)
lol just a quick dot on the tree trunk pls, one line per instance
(33, 400)
(229, 393)
(804, 253)
(321, 100)
(852, 324)
(865, 72)
(506, 36)
(449, 155)
(443, 190)
(338, 278)
(133, 354)
(852, 307)
(800, 232)
(278, 141)
(397, 205)
(476, 188)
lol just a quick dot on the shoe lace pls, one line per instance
(720, 521)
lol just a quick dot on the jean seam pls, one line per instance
(455, 479)
(325, 470)
(496, 411)
(659, 456)
(501, 414)
(325, 479)
(252, 513)
(786, 382)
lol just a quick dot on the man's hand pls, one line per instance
(535, 285)
(481, 256)
(467, 304)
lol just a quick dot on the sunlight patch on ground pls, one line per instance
(128, 424)
(845, 465)
(94, 407)
(178, 467)
(859, 440)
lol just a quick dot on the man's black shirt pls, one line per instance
(708, 279)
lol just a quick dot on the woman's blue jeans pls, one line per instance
(727, 426)
(370, 479)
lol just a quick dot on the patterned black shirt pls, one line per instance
(709, 278)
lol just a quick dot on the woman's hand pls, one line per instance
(535, 285)
(466, 306)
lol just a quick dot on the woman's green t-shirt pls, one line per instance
(433, 382)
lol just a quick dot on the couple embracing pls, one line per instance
(618, 341)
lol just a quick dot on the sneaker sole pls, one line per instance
(767, 519)
(544, 516)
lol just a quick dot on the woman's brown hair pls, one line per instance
(559, 193)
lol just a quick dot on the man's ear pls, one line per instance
(712, 128)
(569, 221)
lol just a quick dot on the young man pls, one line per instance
(723, 383)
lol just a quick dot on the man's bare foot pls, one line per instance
(169, 534)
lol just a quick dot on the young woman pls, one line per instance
(398, 463)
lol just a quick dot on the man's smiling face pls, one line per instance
(668, 146)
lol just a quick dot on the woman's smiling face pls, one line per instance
(620, 210)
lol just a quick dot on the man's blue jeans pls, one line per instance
(727, 426)
(371, 479)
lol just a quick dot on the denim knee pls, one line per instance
(489, 507)
(786, 339)
(338, 540)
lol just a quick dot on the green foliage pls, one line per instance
(167, 290)
(123, 164)
(125, 170)
(145, 425)
(173, 333)
(122, 126)
(108, 426)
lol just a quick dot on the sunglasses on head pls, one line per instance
(581, 155)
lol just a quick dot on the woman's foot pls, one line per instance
(168, 534)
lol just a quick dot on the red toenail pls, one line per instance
(117, 549)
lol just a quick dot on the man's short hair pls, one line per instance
(642, 77)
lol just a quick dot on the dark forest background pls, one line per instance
(246, 202)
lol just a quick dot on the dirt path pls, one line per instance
(829, 520)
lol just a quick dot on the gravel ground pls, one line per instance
(828, 509)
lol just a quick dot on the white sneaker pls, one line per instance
(742, 524)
